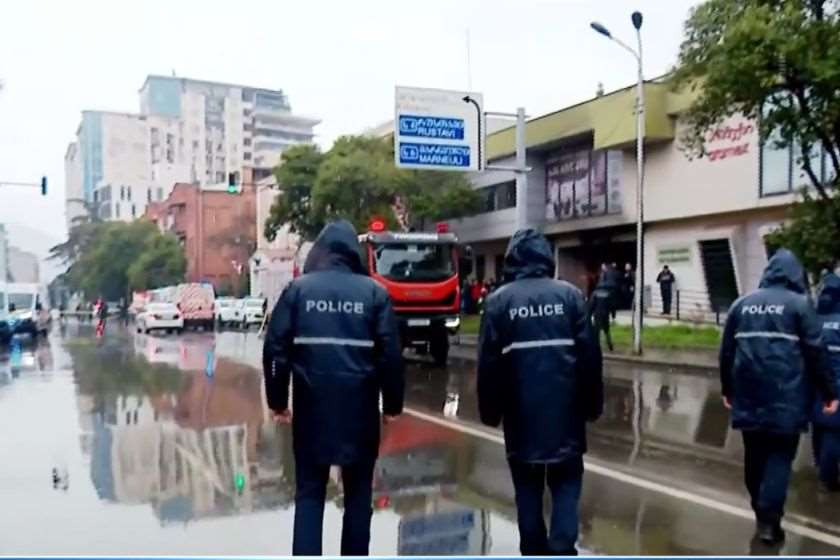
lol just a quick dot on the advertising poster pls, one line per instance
(581, 177)
(598, 182)
(560, 188)
(615, 168)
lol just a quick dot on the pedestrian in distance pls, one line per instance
(617, 279)
(771, 358)
(628, 285)
(666, 280)
(334, 334)
(124, 312)
(826, 427)
(539, 374)
(600, 306)
(475, 293)
(101, 312)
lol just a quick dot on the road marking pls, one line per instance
(639, 482)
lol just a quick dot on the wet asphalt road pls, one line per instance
(127, 446)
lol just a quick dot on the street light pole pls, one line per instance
(638, 296)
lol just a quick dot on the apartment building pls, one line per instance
(187, 131)
(224, 127)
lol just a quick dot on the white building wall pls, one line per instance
(4, 254)
(23, 267)
(73, 188)
(678, 187)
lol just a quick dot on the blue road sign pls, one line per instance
(434, 154)
(432, 127)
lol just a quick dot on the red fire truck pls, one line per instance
(421, 273)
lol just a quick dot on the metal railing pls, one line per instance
(696, 306)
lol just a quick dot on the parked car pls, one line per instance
(196, 302)
(5, 329)
(26, 309)
(160, 316)
(253, 311)
(228, 311)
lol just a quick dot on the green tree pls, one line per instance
(293, 205)
(82, 231)
(776, 61)
(356, 180)
(121, 256)
(161, 263)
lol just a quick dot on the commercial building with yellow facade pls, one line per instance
(704, 217)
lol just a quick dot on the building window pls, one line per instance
(122, 192)
(220, 176)
(506, 195)
(246, 141)
(128, 193)
(782, 171)
(133, 211)
(149, 195)
(498, 197)
(246, 156)
(170, 148)
(117, 210)
(488, 198)
(160, 193)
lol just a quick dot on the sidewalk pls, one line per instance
(696, 360)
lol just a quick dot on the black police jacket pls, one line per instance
(539, 368)
(333, 331)
(772, 356)
(828, 310)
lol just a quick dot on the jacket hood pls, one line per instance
(335, 248)
(784, 270)
(829, 298)
(529, 255)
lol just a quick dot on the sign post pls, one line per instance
(438, 129)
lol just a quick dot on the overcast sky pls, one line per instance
(337, 60)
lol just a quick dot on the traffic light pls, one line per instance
(232, 187)
(44, 186)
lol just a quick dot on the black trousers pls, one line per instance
(767, 466)
(310, 495)
(666, 299)
(564, 482)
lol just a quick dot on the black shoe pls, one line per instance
(771, 533)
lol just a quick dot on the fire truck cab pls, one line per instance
(420, 272)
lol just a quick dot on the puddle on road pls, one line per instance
(161, 446)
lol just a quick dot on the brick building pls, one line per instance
(216, 228)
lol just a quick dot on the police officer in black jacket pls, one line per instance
(539, 372)
(334, 332)
(771, 360)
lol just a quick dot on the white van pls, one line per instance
(27, 309)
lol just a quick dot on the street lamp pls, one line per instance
(638, 313)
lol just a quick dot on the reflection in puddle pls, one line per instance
(160, 438)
